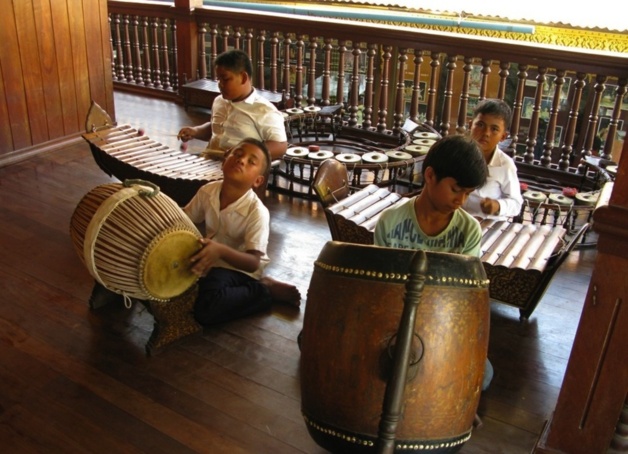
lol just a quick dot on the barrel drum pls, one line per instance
(135, 240)
(353, 311)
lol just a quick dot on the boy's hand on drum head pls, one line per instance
(205, 258)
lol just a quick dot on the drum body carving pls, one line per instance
(355, 301)
(135, 240)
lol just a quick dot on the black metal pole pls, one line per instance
(393, 398)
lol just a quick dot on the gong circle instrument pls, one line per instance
(135, 240)
(364, 308)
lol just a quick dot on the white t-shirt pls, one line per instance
(244, 225)
(254, 117)
(502, 184)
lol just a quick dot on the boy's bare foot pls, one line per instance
(282, 292)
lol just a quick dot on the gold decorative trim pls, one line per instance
(401, 277)
(404, 446)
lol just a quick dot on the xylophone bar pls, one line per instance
(521, 246)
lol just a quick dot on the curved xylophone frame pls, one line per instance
(299, 172)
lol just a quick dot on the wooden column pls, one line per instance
(596, 381)
(187, 39)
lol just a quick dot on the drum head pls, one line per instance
(374, 157)
(165, 266)
(349, 158)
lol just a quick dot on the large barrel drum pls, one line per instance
(354, 306)
(135, 240)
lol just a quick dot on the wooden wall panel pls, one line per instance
(56, 59)
(65, 68)
(32, 76)
(49, 68)
(17, 113)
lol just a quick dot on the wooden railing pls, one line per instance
(567, 103)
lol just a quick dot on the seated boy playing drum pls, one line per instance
(434, 220)
(233, 254)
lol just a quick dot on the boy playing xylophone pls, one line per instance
(433, 220)
(233, 255)
(239, 111)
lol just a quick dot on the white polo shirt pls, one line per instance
(254, 117)
(244, 225)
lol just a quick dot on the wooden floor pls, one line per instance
(75, 380)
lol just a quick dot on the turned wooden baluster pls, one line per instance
(128, 62)
(534, 120)
(503, 79)
(593, 120)
(237, 38)
(147, 67)
(355, 85)
(202, 53)
(137, 58)
(367, 113)
(567, 150)
(261, 41)
(224, 36)
(448, 95)
(416, 87)
(340, 88)
(383, 93)
(154, 24)
(298, 80)
(548, 146)
(165, 73)
(486, 71)
(607, 152)
(433, 88)
(175, 56)
(400, 102)
(522, 76)
(247, 44)
(286, 62)
(327, 48)
(213, 49)
(311, 80)
(274, 57)
(114, 75)
(461, 127)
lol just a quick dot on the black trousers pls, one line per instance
(226, 294)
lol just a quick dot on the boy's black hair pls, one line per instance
(458, 157)
(262, 146)
(235, 61)
(495, 107)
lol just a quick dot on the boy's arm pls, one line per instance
(212, 251)
(276, 149)
(201, 132)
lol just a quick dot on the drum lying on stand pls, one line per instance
(135, 240)
(354, 306)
